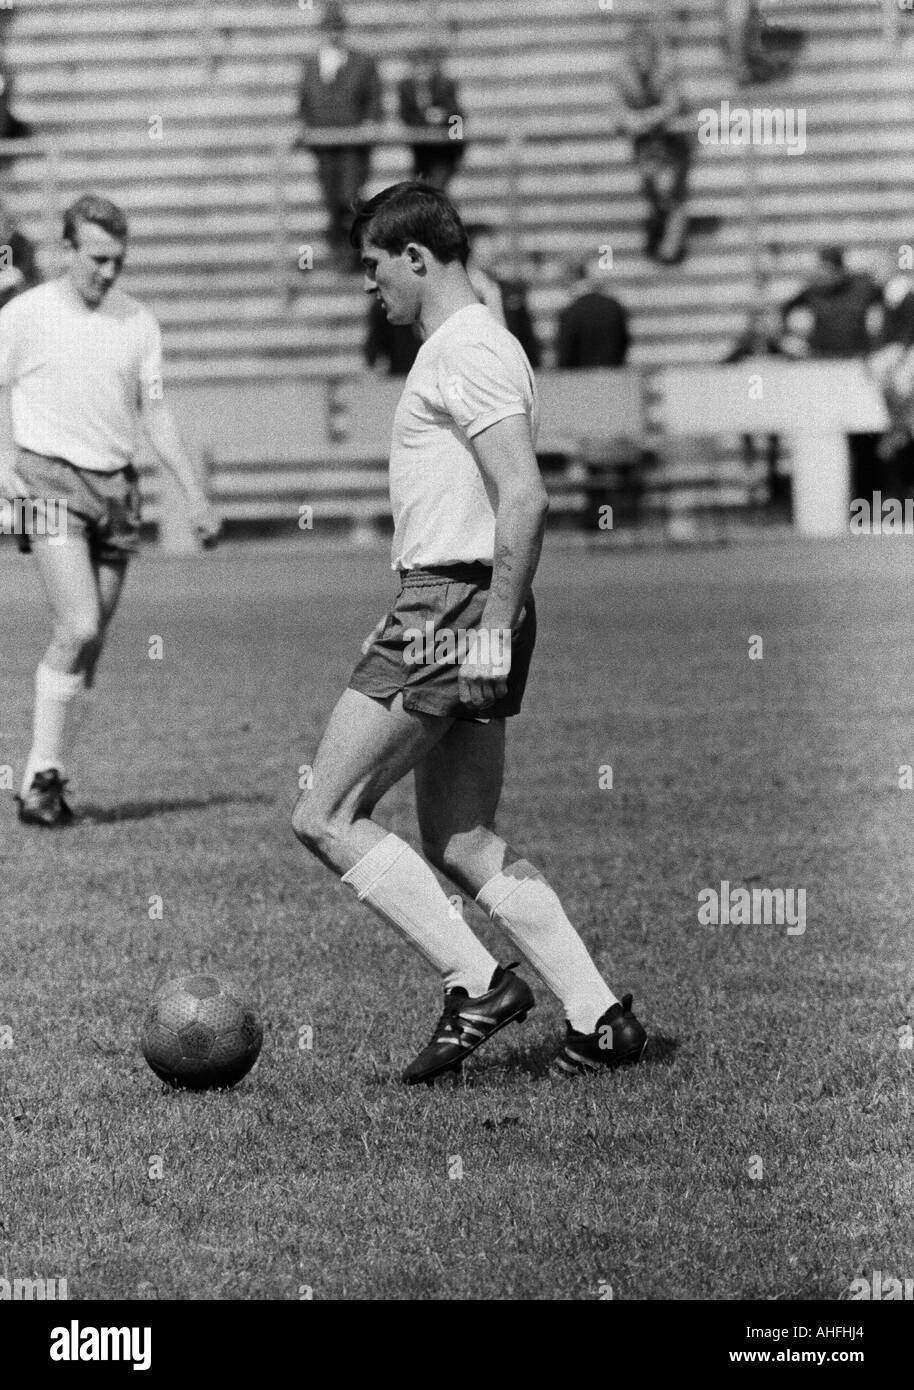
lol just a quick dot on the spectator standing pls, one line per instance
(498, 278)
(892, 364)
(650, 91)
(593, 332)
(758, 50)
(844, 305)
(480, 264)
(842, 311)
(518, 318)
(429, 100)
(339, 87)
(762, 337)
(593, 329)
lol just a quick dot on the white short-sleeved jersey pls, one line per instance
(76, 374)
(470, 374)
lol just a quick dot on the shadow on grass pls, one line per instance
(535, 1062)
(145, 810)
(538, 1059)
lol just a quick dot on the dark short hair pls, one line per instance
(412, 211)
(100, 211)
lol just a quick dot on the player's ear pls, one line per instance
(416, 258)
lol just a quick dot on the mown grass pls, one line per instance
(320, 1171)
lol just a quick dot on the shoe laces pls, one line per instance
(50, 780)
(453, 1002)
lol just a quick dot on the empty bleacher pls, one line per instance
(219, 205)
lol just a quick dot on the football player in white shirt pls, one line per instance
(84, 366)
(445, 668)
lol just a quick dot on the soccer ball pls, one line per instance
(199, 1034)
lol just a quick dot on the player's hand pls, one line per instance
(11, 488)
(205, 521)
(483, 677)
(11, 485)
(374, 634)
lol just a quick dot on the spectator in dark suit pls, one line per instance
(758, 50)
(18, 266)
(892, 364)
(762, 338)
(593, 329)
(844, 306)
(339, 87)
(844, 311)
(518, 318)
(499, 278)
(429, 100)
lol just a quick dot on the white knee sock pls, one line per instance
(520, 901)
(397, 882)
(56, 694)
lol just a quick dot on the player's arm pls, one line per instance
(507, 460)
(11, 485)
(508, 463)
(173, 455)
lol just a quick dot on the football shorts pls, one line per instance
(432, 626)
(103, 507)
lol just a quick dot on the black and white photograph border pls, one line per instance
(456, 732)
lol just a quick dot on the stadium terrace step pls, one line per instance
(205, 249)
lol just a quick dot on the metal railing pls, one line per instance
(53, 149)
(513, 143)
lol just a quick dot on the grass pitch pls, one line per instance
(763, 1147)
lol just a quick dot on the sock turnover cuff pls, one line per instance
(375, 864)
(495, 893)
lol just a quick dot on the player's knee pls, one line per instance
(80, 632)
(312, 825)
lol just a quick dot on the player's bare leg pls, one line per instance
(82, 597)
(458, 787)
(368, 746)
(72, 589)
(110, 576)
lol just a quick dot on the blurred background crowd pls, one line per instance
(568, 304)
